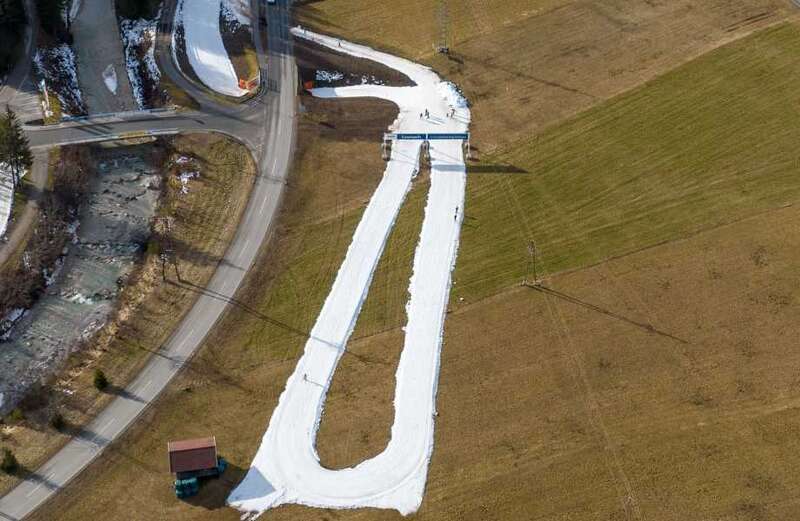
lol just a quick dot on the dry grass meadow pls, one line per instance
(651, 155)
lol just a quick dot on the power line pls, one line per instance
(444, 24)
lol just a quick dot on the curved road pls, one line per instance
(266, 125)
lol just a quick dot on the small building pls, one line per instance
(193, 459)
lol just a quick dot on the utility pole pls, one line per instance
(444, 22)
(532, 264)
(163, 227)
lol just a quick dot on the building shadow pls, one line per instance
(215, 491)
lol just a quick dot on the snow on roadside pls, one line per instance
(6, 197)
(57, 66)
(138, 38)
(238, 9)
(199, 20)
(286, 468)
(110, 78)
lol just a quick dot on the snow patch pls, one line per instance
(185, 177)
(80, 299)
(57, 66)
(7, 322)
(238, 10)
(139, 36)
(110, 78)
(6, 196)
(329, 76)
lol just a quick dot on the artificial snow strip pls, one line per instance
(286, 468)
(204, 47)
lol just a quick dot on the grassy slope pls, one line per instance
(706, 144)
(246, 361)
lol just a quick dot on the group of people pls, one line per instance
(427, 115)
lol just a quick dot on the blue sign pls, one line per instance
(422, 137)
(448, 136)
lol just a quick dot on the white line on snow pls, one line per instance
(286, 468)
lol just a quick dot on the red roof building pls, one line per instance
(192, 455)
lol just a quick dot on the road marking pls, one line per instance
(107, 425)
(145, 387)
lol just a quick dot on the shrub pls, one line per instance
(9, 464)
(57, 421)
(100, 380)
(15, 416)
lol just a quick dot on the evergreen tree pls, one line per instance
(100, 380)
(15, 150)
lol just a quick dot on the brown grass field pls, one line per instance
(651, 377)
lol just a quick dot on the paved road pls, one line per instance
(98, 45)
(266, 125)
(19, 90)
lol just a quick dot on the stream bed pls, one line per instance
(112, 229)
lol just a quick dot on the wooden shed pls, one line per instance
(190, 456)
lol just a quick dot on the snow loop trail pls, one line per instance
(286, 468)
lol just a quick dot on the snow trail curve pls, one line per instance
(286, 468)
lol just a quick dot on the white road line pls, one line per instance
(144, 387)
(106, 426)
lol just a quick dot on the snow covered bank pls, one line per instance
(6, 197)
(139, 40)
(205, 50)
(286, 468)
(57, 66)
(236, 10)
